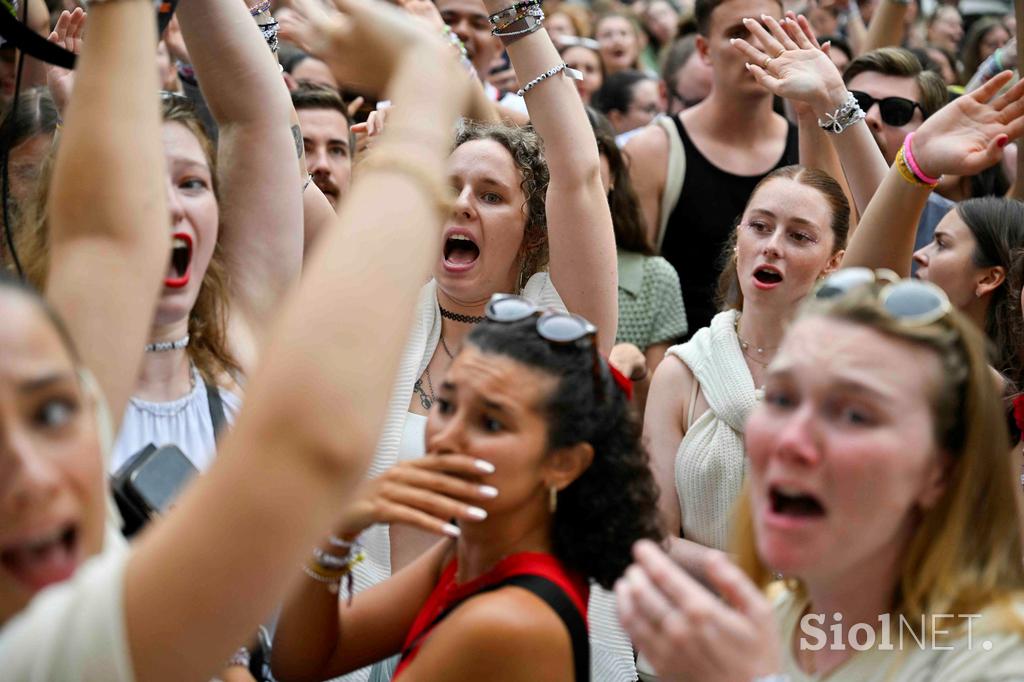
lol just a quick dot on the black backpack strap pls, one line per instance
(555, 597)
(216, 409)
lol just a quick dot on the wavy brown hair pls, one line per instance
(207, 326)
(527, 151)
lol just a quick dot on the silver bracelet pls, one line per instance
(554, 70)
(848, 113)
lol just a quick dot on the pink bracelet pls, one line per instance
(908, 154)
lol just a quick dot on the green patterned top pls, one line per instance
(650, 301)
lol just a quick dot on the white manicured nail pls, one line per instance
(488, 491)
(450, 530)
(476, 513)
(484, 466)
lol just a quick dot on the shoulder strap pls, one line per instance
(216, 406)
(674, 176)
(555, 597)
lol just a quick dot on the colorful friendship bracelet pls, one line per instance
(908, 154)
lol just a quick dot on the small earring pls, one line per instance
(552, 499)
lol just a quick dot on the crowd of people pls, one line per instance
(514, 341)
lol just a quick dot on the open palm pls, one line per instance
(968, 135)
(67, 33)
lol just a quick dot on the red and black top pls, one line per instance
(565, 591)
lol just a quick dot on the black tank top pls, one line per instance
(701, 223)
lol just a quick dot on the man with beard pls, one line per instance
(897, 95)
(327, 139)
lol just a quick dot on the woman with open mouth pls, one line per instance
(194, 587)
(524, 222)
(879, 489)
(234, 248)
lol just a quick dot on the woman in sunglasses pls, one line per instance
(195, 585)
(531, 441)
(972, 249)
(879, 438)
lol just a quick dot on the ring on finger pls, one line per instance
(781, 52)
(767, 61)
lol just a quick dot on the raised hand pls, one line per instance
(686, 632)
(790, 63)
(175, 42)
(426, 493)
(968, 135)
(67, 33)
(363, 41)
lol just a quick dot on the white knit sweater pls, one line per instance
(610, 651)
(711, 462)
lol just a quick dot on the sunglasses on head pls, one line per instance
(895, 111)
(912, 301)
(557, 328)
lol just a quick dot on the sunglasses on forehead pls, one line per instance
(557, 328)
(895, 111)
(912, 301)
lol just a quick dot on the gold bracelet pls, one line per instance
(389, 161)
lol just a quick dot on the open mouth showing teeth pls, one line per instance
(45, 560)
(790, 503)
(179, 268)
(460, 250)
(767, 276)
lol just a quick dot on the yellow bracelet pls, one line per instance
(907, 173)
(389, 161)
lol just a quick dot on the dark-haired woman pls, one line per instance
(630, 99)
(526, 221)
(531, 440)
(651, 312)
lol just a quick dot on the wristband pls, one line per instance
(908, 154)
(570, 72)
(848, 113)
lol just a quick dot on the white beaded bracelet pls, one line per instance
(554, 70)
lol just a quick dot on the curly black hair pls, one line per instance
(614, 502)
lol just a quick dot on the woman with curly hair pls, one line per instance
(531, 440)
(525, 221)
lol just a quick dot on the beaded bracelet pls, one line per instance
(526, 25)
(569, 71)
(908, 155)
(260, 8)
(513, 10)
(503, 24)
(848, 113)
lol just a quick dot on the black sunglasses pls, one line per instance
(555, 327)
(912, 301)
(895, 111)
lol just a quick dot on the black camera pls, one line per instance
(148, 483)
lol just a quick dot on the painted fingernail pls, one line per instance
(732, 41)
(450, 530)
(747, 20)
(484, 466)
(476, 513)
(488, 491)
(765, 17)
(1002, 141)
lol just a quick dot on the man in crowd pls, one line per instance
(731, 140)
(897, 95)
(326, 137)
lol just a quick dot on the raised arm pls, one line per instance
(315, 405)
(580, 237)
(108, 218)
(805, 75)
(260, 177)
(887, 25)
(963, 138)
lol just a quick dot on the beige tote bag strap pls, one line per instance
(674, 176)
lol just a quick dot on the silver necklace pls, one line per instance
(746, 346)
(164, 346)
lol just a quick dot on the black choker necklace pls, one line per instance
(458, 317)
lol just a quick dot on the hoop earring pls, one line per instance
(553, 499)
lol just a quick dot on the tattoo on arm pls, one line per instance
(297, 136)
